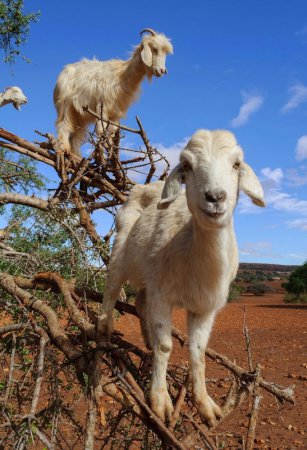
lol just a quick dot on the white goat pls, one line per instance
(179, 250)
(113, 85)
(13, 95)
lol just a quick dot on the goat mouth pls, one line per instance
(213, 214)
(19, 104)
(157, 73)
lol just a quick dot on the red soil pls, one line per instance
(278, 332)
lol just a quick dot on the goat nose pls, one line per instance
(217, 196)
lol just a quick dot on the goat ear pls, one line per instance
(250, 184)
(146, 55)
(172, 187)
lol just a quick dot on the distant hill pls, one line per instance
(279, 268)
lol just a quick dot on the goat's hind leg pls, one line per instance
(141, 309)
(64, 133)
(76, 140)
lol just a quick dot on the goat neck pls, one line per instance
(215, 250)
(134, 71)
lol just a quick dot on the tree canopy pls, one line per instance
(14, 28)
(297, 284)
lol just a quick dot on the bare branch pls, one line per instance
(254, 413)
(20, 199)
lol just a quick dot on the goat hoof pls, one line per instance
(162, 405)
(105, 328)
(210, 411)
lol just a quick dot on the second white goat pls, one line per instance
(113, 85)
(179, 250)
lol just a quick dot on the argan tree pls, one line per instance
(58, 388)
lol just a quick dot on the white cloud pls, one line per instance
(300, 224)
(172, 152)
(274, 196)
(282, 201)
(251, 104)
(275, 175)
(301, 148)
(298, 96)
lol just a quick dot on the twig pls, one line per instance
(43, 438)
(117, 125)
(248, 341)
(72, 309)
(90, 423)
(87, 223)
(254, 413)
(39, 373)
(202, 431)
(57, 333)
(13, 327)
(180, 400)
(165, 434)
(12, 366)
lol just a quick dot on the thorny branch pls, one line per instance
(118, 374)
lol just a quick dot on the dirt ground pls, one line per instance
(279, 343)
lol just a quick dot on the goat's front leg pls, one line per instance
(160, 334)
(199, 332)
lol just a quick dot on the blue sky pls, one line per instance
(239, 65)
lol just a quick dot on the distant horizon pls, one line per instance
(268, 264)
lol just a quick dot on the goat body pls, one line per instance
(179, 250)
(112, 85)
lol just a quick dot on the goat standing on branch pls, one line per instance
(112, 85)
(179, 250)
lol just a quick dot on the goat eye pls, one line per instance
(186, 166)
(237, 165)
(154, 49)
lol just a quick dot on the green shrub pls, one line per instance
(235, 290)
(293, 298)
(259, 288)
